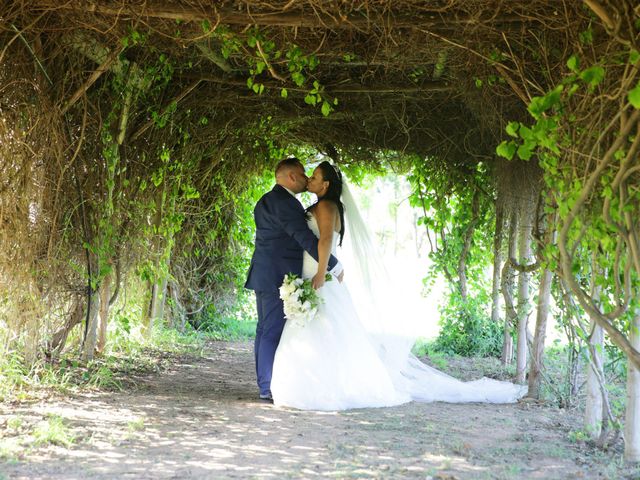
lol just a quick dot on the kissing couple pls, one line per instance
(350, 355)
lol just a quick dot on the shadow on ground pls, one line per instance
(201, 420)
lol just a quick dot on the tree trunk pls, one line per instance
(31, 339)
(596, 402)
(497, 262)
(178, 312)
(157, 246)
(158, 297)
(466, 246)
(91, 336)
(105, 296)
(60, 337)
(524, 250)
(544, 296)
(593, 412)
(162, 249)
(632, 416)
(507, 290)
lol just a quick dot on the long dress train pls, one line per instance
(334, 363)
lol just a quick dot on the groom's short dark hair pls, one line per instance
(288, 163)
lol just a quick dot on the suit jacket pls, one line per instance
(282, 235)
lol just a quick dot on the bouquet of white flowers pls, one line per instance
(301, 301)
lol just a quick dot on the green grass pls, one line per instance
(53, 431)
(15, 423)
(17, 379)
(231, 329)
(128, 352)
(10, 448)
(135, 425)
(20, 437)
(425, 348)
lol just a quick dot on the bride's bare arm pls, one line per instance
(326, 213)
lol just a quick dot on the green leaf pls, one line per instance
(298, 78)
(268, 46)
(526, 133)
(550, 143)
(539, 105)
(310, 99)
(250, 82)
(574, 88)
(326, 108)
(284, 93)
(593, 75)
(536, 107)
(573, 63)
(634, 57)
(525, 151)
(553, 97)
(586, 37)
(634, 96)
(190, 192)
(506, 149)
(157, 179)
(512, 129)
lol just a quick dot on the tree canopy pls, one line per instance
(134, 136)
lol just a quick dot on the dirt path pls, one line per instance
(200, 419)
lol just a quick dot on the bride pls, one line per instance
(353, 355)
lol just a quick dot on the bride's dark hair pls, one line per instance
(331, 174)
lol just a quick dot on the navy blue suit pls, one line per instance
(282, 235)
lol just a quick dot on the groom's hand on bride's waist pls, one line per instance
(337, 271)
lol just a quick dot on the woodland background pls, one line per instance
(135, 138)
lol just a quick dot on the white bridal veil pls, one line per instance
(382, 310)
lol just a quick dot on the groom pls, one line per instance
(282, 235)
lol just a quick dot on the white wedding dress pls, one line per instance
(335, 362)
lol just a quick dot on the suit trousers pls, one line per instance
(268, 332)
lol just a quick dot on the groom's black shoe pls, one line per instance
(267, 397)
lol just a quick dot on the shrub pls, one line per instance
(466, 329)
